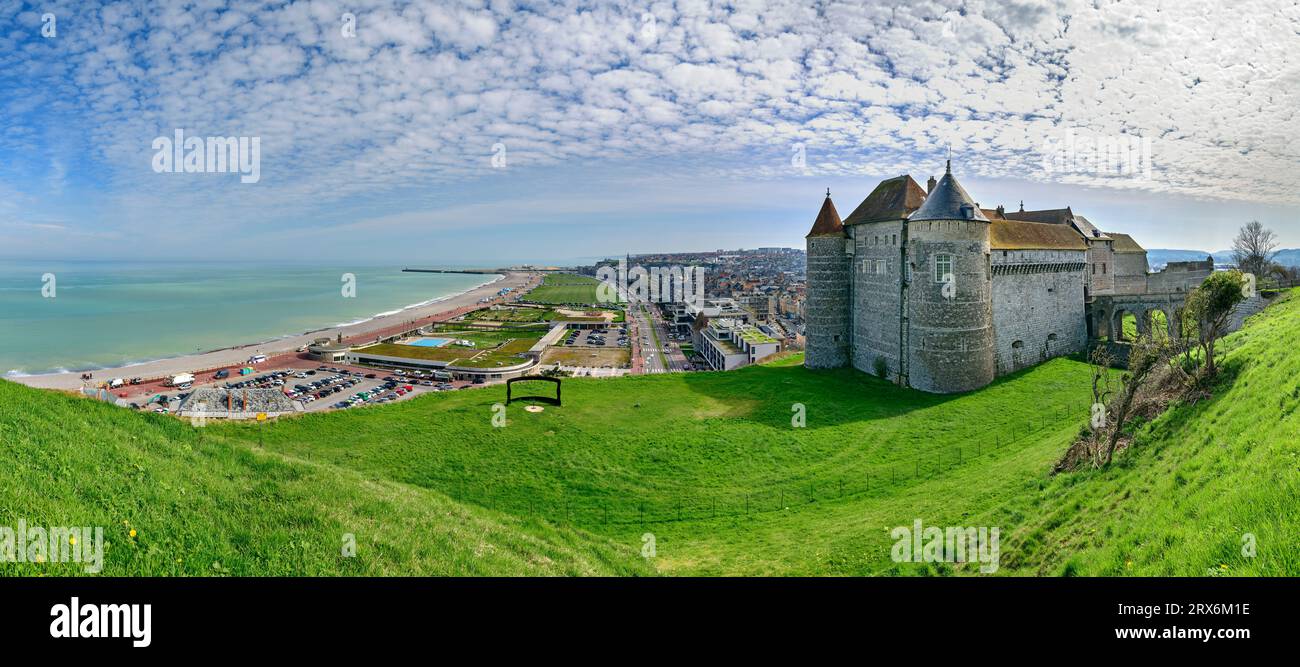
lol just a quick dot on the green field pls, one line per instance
(564, 288)
(512, 315)
(710, 464)
(491, 348)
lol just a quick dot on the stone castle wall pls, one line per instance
(876, 296)
(827, 303)
(1038, 306)
(950, 336)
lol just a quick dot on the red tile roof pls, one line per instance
(828, 221)
(893, 199)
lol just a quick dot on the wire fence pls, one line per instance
(596, 508)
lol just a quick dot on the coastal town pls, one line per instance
(526, 321)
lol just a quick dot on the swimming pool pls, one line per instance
(430, 342)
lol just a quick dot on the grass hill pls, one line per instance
(714, 465)
(201, 506)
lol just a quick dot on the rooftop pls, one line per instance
(893, 199)
(948, 201)
(1125, 243)
(828, 220)
(1016, 235)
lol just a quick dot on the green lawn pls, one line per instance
(564, 288)
(512, 315)
(492, 348)
(204, 506)
(709, 463)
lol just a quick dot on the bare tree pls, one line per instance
(1254, 248)
(1144, 356)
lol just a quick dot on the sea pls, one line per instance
(85, 315)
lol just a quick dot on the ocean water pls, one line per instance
(105, 314)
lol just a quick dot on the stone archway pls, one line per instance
(1118, 320)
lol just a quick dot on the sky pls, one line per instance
(497, 132)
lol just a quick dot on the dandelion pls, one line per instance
(1223, 566)
(132, 533)
(72, 541)
(1128, 564)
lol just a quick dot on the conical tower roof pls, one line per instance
(948, 201)
(828, 220)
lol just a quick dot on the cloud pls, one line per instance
(423, 91)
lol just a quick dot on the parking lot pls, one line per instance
(611, 337)
(325, 387)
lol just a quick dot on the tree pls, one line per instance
(1254, 249)
(1143, 357)
(1210, 306)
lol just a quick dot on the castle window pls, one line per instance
(1018, 344)
(1103, 268)
(942, 266)
(895, 239)
(1051, 337)
(881, 267)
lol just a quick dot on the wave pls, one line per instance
(420, 304)
(122, 366)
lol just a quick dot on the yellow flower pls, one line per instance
(1223, 566)
(1128, 564)
(72, 540)
(132, 533)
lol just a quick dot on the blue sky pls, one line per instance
(627, 127)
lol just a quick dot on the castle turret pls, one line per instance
(950, 297)
(828, 309)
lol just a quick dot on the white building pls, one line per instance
(728, 344)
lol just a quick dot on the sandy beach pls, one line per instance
(283, 351)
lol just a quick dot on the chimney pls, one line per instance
(1002, 211)
(929, 185)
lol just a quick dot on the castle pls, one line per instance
(927, 289)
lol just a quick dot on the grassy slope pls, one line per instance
(714, 442)
(202, 507)
(695, 445)
(821, 498)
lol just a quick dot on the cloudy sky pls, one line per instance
(495, 131)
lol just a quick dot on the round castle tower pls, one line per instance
(828, 309)
(950, 293)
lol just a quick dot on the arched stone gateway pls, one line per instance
(1106, 314)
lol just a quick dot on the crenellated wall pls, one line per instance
(1038, 306)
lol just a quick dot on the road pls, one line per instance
(661, 354)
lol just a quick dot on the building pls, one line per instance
(924, 287)
(727, 344)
